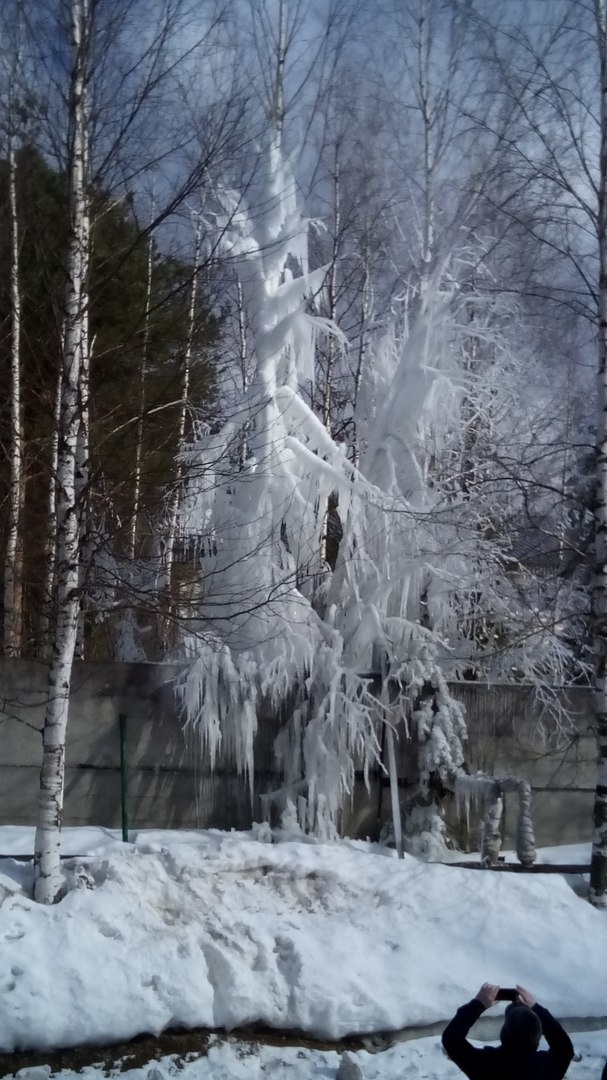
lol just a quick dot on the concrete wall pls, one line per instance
(171, 785)
(510, 733)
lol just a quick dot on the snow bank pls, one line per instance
(220, 930)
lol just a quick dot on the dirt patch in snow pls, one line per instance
(181, 1045)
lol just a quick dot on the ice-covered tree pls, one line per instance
(417, 564)
(275, 621)
(261, 520)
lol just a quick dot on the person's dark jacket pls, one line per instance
(604, 1072)
(499, 1063)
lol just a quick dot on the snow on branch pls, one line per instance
(419, 575)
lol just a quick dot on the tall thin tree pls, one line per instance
(13, 561)
(47, 876)
(184, 404)
(598, 869)
(12, 583)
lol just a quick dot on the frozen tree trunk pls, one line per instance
(173, 511)
(394, 799)
(525, 837)
(491, 840)
(388, 695)
(47, 873)
(13, 560)
(598, 866)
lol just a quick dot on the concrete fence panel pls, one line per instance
(170, 783)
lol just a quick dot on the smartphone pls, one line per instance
(507, 993)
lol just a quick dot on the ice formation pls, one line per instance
(276, 623)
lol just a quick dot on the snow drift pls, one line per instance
(220, 930)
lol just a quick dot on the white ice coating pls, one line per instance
(276, 624)
(261, 637)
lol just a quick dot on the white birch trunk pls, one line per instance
(134, 522)
(48, 592)
(13, 560)
(82, 473)
(173, 511)
(81, 491)
(47, 870)
(598, 868)
(278, 105)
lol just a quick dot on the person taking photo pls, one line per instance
(518, 1055)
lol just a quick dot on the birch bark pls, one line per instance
(48, 593)
(134, 522)
(47, 872)
(173, 513)
(83, 450)
(12, 568)
(598, 868)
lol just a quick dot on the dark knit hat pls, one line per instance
(522, 1029)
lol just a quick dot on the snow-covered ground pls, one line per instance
(221, 929)
(231, 1059)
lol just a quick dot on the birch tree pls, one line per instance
(176, 495)
(47, 875)
(558, 86)
(13, 562)
(351, 201)
(598, 869)
(16, 107)
(151, 126)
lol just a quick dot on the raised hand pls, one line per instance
(525, 997)
(487, 995)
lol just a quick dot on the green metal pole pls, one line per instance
(123, 777)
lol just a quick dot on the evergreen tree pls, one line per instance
(117, 312)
